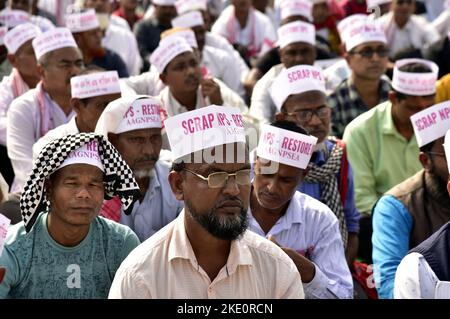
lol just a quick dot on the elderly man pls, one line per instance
(306, 229)
(299, 95)
(63, 249)
(412, 211)
(206, 252)
(366, 54)
(47, 106)
(133, 125)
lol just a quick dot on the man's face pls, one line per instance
(20, 5)
(183, 73)
(90, 40)
(140, 149)
(64, 64)
(409, 106)
(298, 53)
(310, 111)
(129, 4)
(273, 191)
(403, 9)
(165, 14)
(89, 113)
(76, 194)
(100, 6)
(200, 35)
(365, 66)
(438, 163)
(241, 5)
(320, 12)
(25, 61)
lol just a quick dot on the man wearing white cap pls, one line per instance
(296, 41)
(186, 89)
(133, 125)
(306, 229)
(248, 30)
(62, 249)
(206, 252)
(413, 210)
(33, 114)
(366, 53)
(85, 28)
(25, 6)
(23, 76)
(299, 95)
(148, 31)
(381, 144)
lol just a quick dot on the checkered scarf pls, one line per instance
(325, 175)
(118, 177)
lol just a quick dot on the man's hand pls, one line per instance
(211, 90)
(2, 274)
(306, 268)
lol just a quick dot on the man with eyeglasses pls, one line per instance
(306, 229)
(206, 252)
(133, 125)
(300, 96)
(413, 210)
(366, 54)
(47, 106)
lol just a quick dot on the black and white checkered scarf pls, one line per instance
(118, 176)
(325, 175)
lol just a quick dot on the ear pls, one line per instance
(112, 138)
(425, 161)
(448, 187)
(176, 181)
(346, 57)
(48, 189)
(41, 71)
(76, 104)
(12, 60)
(280, 116)
(393, 97)
(163, 78)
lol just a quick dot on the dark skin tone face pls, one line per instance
(23, 5)
(435, 161)
(25, 62)
(298, 53)
(165, 14)
(402, 12)
(183, 73)
(367, 68)
(90, 42)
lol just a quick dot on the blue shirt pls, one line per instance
(37, 267)
(392, 225)
(315, 190)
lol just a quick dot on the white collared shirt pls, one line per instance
(310, 227)
(165, 266)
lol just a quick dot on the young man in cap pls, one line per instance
(299, 95)
(207, 252)
(366, 53)
(63, 249)
(413, 210)
(23, 76)
(33, 114)
(306, 229)
(85, 28)
(133, 125)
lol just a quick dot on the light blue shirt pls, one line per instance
(392, 225)
(158, 207)
(37, 267)
(310, 228)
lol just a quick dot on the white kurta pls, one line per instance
(119, 22)
(24, 129)
(310, 227)
(147, 83)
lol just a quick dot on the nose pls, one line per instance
(147, 148)
(231, 187)
(83, 192)
(315, 120)
(272, 186)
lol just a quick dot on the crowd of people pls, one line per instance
(225, 149)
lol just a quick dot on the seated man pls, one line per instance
(63, 249)
(413, 210)
(206, 252)
(306, 229)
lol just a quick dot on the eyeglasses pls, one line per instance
(304, 116)
(436, 153)
(219, 179)
(368, 54)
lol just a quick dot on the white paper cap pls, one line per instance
(297, 31)
(82, 21)
(188, 20)
(130, 113)
(184, 6)
(3, 31)
(184, 33)
(415, 84)
(296, 80)
(87, 154)
(363, 32)
(52, 40)
(431, 123)
(374, 3)
(13, 18)
(164, 2)
(289, 8)
(95, 84)
(167, 50)
(447, 148)
(285, 147)
(17, 36)
(344, 24)
(203, 128)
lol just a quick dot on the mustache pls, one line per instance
(228, 200)
(269, 194)
(148, 158)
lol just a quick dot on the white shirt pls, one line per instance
(24, 129)
(165, 266)
(119, 22)
(147, 83)
(442, 23)
(158, 207)
(124, 43)
(308, 226)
